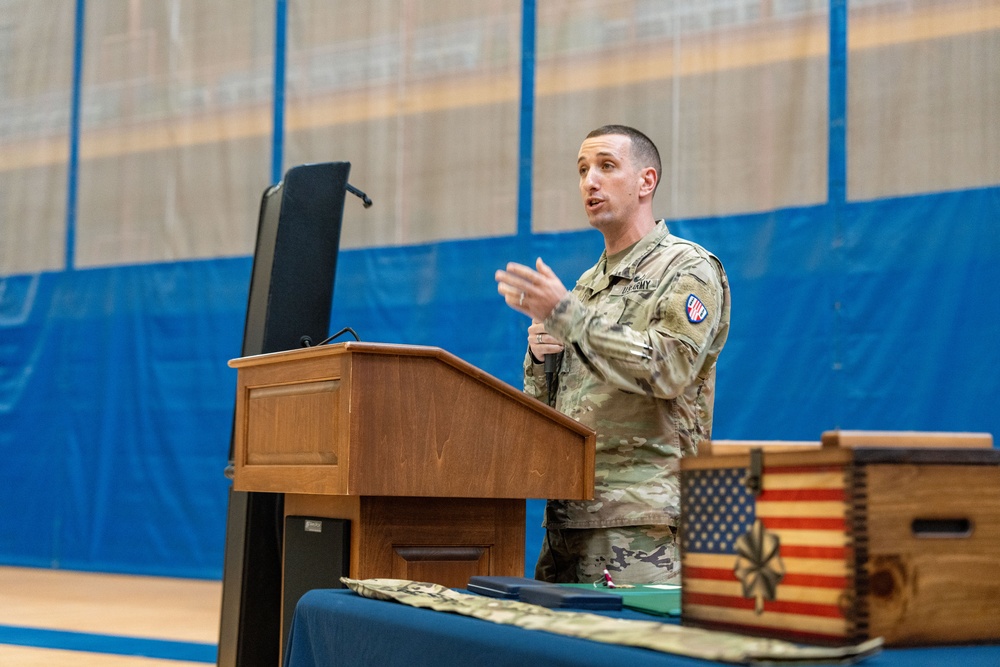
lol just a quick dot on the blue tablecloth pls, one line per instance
(338, 627)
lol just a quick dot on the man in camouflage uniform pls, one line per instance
(637, 340)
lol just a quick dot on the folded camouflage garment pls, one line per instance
(666, 637)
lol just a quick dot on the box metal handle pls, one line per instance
(753, 480)
(941, 528)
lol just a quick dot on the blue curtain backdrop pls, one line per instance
(116, 402)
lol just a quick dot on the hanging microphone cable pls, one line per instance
(307, 341)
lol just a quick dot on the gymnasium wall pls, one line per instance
(842, 159)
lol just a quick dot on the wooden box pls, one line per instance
(840, 545)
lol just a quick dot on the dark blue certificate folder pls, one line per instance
(508, 588)
(560, 597)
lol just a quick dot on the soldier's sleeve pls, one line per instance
(661, 357)
(534, 377)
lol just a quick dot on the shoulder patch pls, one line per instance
(689, 310)
(696, 310)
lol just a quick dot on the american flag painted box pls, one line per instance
(837, 546)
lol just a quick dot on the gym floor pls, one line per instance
(52, 618)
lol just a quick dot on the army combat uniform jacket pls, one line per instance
(641, 341)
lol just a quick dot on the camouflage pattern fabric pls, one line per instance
(641, 343)
(664, 637)
(633, 554)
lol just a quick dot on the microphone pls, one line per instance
(551, 360)
(361, 195)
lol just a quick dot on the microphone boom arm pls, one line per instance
(361, 195)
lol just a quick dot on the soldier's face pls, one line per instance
(609, 183)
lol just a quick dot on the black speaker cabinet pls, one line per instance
(317, 554)
(291, 295)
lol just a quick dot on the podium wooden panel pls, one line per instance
(429, 457)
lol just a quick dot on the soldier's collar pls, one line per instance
(626, 268)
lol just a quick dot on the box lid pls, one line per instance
(859, 455)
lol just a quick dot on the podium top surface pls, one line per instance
(350, 346)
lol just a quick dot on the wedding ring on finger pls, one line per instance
(538, 339)
(521, 301)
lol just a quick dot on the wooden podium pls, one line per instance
(427, 456)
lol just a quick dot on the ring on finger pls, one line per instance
(538, 339)
(521, 301)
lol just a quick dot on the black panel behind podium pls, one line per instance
(317, 553)
(291, 294)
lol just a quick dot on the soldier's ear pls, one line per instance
(649, 180)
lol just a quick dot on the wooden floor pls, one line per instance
(103, 613)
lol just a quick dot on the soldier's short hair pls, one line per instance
(644, 152)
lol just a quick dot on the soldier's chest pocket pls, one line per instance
(636, 308)
(626, 307)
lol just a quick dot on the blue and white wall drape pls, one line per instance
(843, 160)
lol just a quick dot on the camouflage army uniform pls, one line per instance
(641, 341)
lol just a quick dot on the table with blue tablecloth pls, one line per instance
(339, 627)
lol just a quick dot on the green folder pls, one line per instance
(648, 599)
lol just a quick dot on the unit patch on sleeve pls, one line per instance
(696, 310)
(690, 310)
